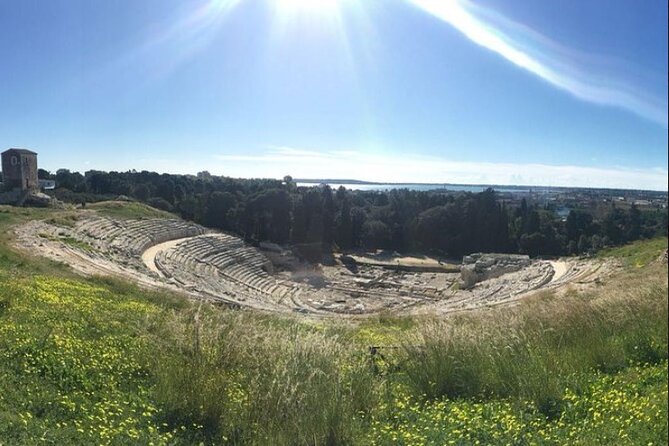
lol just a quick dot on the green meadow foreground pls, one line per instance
(99, 361)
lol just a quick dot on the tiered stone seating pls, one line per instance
(100, 228)
(221, 263)
(222, 267)
(134, 236)
(139, 235)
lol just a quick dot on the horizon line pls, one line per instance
(491, 185)
(351, 181)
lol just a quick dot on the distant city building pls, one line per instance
(19, 170)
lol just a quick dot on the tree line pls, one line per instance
(426, 222)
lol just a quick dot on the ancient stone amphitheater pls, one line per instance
(221, 265)
(189, 258)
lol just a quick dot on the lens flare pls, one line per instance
(322, 15)
(308, 7)
(582, 75)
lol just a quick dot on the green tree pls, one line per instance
(217, 208)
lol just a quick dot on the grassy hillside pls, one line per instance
(97, 361)
(638, 254)
(125, 209)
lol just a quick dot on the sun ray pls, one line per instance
(191, 29)
(308, 7)
(584, 76)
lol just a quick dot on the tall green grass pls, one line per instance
(535, 351)
(262, 380)
(251, 380)
(112, 364)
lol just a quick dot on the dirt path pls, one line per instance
(560, 267)
(149, 256)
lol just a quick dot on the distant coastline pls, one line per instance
(373, 185)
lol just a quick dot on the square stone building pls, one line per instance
(19, 170)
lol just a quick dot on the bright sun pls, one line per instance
(313, 8)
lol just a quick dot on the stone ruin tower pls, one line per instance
(19, 170)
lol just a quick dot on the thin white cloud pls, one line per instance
(294, 152)
(349, 164)
(588, 77)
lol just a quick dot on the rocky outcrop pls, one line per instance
(479, 267)
(40, 200)
(18, 197)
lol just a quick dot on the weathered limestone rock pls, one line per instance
(38, 199)
(18, 197)
(479, 267)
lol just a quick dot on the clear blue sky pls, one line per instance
(484, 91)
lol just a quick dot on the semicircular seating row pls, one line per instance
(223, 265)
(219, 265)
(136, 236)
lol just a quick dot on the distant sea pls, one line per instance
(420, 187)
